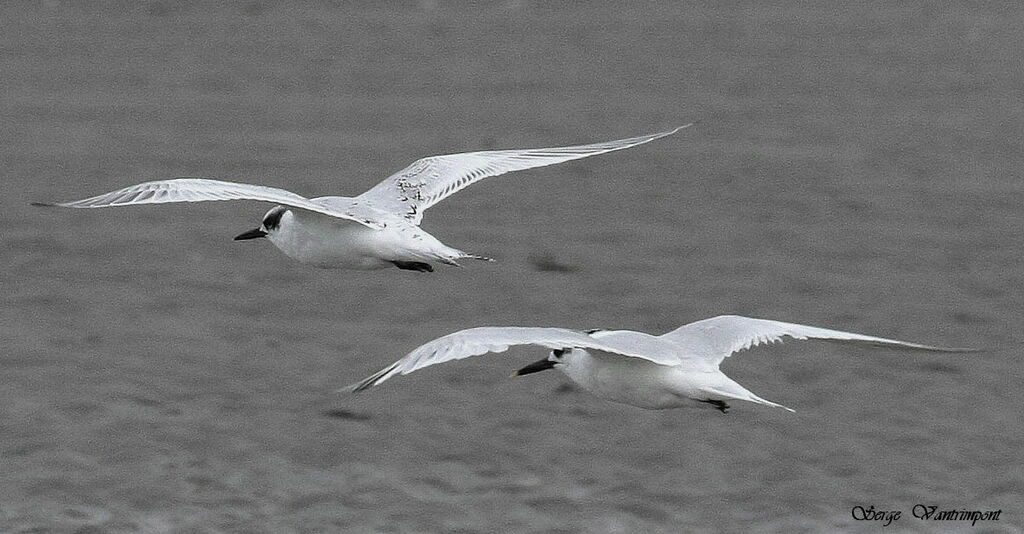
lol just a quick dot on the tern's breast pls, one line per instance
(618, 378)
(329, 242)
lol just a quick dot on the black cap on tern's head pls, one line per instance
(270, 222)
(273, 218)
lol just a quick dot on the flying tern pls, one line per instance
(377, 229)
(653, 372)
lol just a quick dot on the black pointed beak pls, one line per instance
(251, 234)
(536, 367)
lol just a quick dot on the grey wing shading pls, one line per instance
(200, 190)
(719, 337)
(477, 341)
(429, 180)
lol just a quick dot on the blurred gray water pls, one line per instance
(855, 167)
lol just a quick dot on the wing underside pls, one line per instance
(478, 341)
(202, 190)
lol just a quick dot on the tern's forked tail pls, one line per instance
(729, 389)
(462, 256)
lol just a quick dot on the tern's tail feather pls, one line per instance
(732, 390)
(462, 256)
(759, 400)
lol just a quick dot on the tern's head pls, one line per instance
(271, 223)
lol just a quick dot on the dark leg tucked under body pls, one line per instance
(414, 266)
(721, 406)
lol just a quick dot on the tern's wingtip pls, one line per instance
(43, 204)
(687, 125)
(956, 350)
(670, 132)
(351, 388)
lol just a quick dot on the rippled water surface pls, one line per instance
(854, 167)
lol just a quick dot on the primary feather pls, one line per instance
(430, 180)
(201, 190)
(719, 337)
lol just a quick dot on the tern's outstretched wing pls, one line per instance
(199, 190)
(477, 341)
(719, 337)
(429, 180)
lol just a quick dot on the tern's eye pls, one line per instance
(273, 218)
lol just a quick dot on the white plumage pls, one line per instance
(635, 368)
(320, 231)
